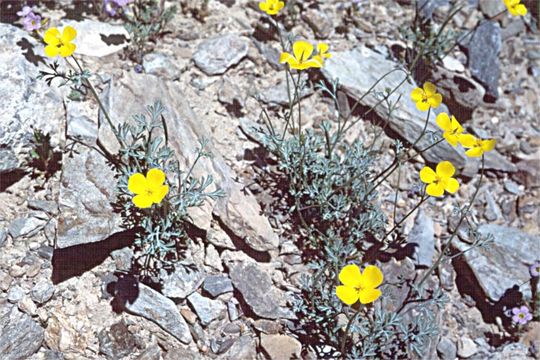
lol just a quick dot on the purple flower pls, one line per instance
(25, 11)
(521, 315)
(122, 3)
(138, 68)
(535, 269)
(32, 22)
(110, 7)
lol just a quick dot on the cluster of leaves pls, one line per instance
(145, 23)
(42, 158)
(432, 43)
(162, 231)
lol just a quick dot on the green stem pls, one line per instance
(449, 242)
(346, 334)
(398, 224)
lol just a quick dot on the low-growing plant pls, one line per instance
(333, 197)
(42, 158)
(154, 193)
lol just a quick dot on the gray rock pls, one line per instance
(357, 71)
(45, 252)
(8, 161)
(42, 291)
(319, 22)
(230, 94)
(152, 352)
(255, 285)
(215, 55)
(491, 8)
(182, 282)
(123, 258)
(24, 98)
(48, 206)
(15, 294)
(53, 355)
(447, 349)
(217, 284)
(155, 307)
(279, 347)
(267, 326)
(161, 65)
(512, 187)
(237, 211)
(427, 7)
(502, 264)
(212, 258)
(243, 348)
(483, 47)
(277, 94)
(98, 39)
(182, 354)
(492, 212)
(116, 342)
(26, 227)
(20, 336)
(207, 309)
(232, 310)
(514, 351)
(466, 347)
(87, 190)
(3, 236)
(423, 235)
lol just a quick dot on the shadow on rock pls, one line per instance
(76, 260)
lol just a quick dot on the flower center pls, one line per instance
(521, 315)
(149, 192)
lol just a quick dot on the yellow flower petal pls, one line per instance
(474, 152)
(368, 296)
(445, 169)
(371, 277)
(427, 175)
(444, 122)
(436, 190)
(68, 34)
(347, 294)
(289, 59)
(142, 201)
(435, 100)
(417, 94)
(159, 193)
(263, 6)
(452, 185)
(350, 275)
(488, 145)
(456, 126)
(302, 50)
(155, 177)
(67, 49)
(52, 50)
(467, 140)
(521, 10)
(430, 89)
(451, 138)
(422, 106)
(52, 36)
(322, 47)
(137, 183)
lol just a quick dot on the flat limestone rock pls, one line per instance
(503, 263)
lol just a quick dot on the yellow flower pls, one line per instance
(359, 286)
(59, 44)
(515, 8)
(271, 7)
(439, 180)
(451, 127)
(426, 97)
(476, 146)
(302, 51)
(322, 49)
(148, 190)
